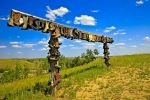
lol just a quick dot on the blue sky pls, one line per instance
(127, 21)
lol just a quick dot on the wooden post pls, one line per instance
(53, 59)
(106, 53)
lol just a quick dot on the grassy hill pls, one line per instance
(7, 64)
(11, 63)
(128, 78)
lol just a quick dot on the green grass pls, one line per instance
(134, 67)
(11, 63)
(30, 82)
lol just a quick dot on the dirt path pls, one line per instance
(119, 84)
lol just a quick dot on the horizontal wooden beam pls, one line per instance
(27, 21)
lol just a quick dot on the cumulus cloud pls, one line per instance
(53, 14)
(109, 29)
(120, 32)
(147, 38)
(85, 20)
(3, 46)
(16, 46)
(139, 2)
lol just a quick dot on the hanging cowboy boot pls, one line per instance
(102, 39)
(37, 24)
(46, 27)
(56, 33)
(75, 33)
(80, 35)
(31, 22)
(61, 30)
(71, 34)
(25, 22)
(57, 66)
(52, 26)
(17, 19)
(54, 43)
(98, 38)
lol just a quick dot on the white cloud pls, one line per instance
(133, 46)
(3, 18)
(3, 46)
(78, 41)
(88, 45)
(44, 49)
(68, 22)
(29, 45)
(147, 38)
(43, 41)
(119, 32)
(109, 29)
(16, 46)
(85, 20)
(15, 42)
(53, 14)
(95, 11)
(120, 44)
(139, 2)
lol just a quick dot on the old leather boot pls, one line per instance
(16, 18)
(56, 33)
(46, 28)
(25, 22)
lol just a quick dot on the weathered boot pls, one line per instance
(25, 22)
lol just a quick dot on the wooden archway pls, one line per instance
(55, 30)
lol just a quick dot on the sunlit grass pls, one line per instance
(135, 66)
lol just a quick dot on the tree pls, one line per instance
(89, 55)
(96, 53)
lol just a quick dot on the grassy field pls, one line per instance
(128, 78)
(6, 64)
